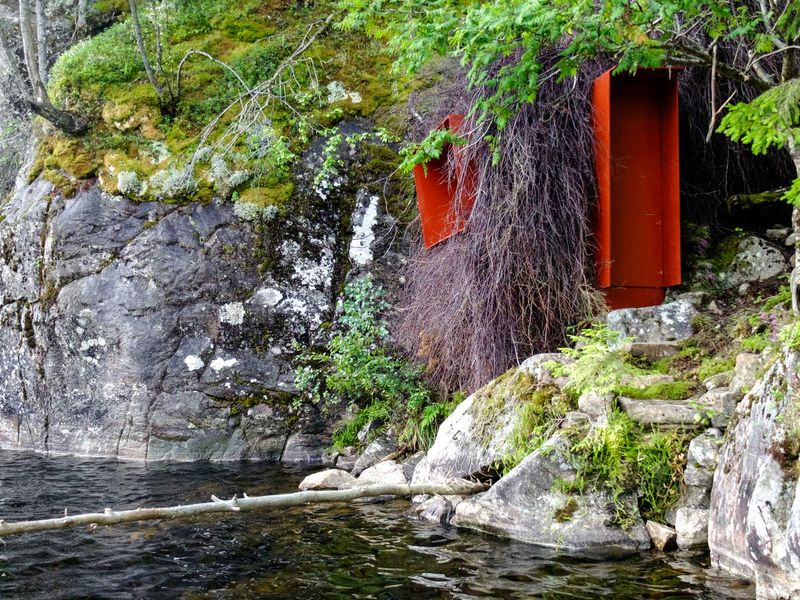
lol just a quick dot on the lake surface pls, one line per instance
(333, 551)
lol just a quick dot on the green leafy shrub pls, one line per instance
(358, 367)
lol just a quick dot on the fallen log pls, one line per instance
(236, 504)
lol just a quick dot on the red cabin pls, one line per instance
(638, 178)
(444, 205)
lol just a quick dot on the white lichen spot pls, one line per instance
(87, 345)
(337, 93)
(268, 297)
(194, 363)
(232, 313)
(363, 234)
(220, 363)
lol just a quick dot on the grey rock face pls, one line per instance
(754, 528)
(155, 331)
(477, 432)
(654, 324)
(524, 505)
(756, 260)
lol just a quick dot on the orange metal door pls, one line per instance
(637, 227)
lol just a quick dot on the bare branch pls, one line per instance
(235, 505)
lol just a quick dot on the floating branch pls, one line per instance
(236, 504)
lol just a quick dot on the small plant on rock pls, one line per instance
(357, 367)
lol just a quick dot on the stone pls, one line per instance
(691, 527)
(754, 528)
(665, 323)
(748, 367)
(379, 449)
(777, 234)
(575, 418)
(755, 261)
(721, 402)
(537, 366)
(659, 412)
(719, 380)
(435, 509)
(744, 289)
(387, 472)
(307, 448)
(525, 505)
(662, 536)
(698, 476)
(704, 450)
(696, 298)
(595, 404)
(330, 479)
(652, 351)
(410, 464)
(791, 241)
(345, 463)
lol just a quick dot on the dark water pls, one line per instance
(364, 551)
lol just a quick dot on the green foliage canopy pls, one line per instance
(501, 43)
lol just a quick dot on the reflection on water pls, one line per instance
(333, 551)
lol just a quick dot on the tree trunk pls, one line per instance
(148, 69)
(29, 50)
(80, 18)
(112, 517)
(41, 39)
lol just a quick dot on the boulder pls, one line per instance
(655, 324)
(387, 472)
(307, 448)
(344, 462)
(662, 536)
(330, 479)
(525, 505)
(755, 260)
(754, 529)
(659, 412)
(478, 432)
(691, 526)
(379, 449)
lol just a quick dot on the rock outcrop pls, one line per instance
(158, 331)
(526, 505)
(754, 528)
